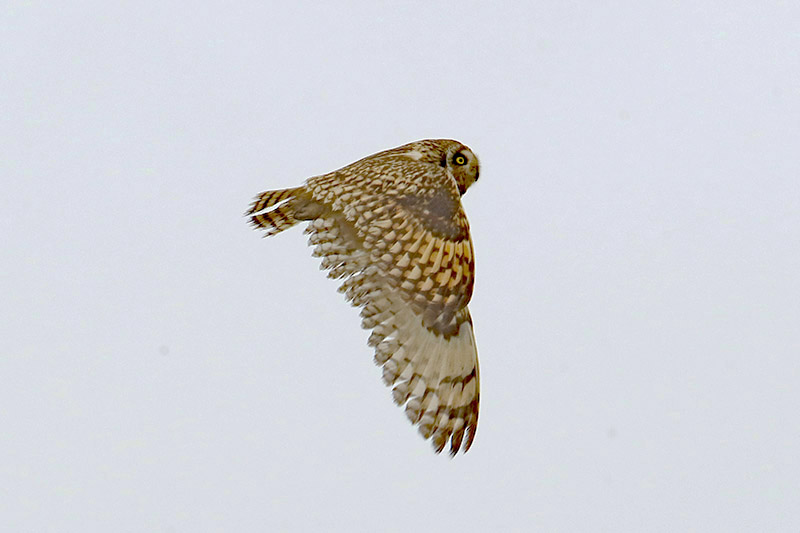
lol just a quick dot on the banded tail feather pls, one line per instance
(280, 211)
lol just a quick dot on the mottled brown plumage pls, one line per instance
(392, 227)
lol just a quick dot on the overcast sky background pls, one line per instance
(637, 233)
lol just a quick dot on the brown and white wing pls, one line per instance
(408, 263)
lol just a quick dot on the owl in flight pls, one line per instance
(392, 227)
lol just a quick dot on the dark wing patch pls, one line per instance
(438, 210)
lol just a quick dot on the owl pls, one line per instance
(391, 227)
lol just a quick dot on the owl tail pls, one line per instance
(280, 210)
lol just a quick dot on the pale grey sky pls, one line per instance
(637, 232)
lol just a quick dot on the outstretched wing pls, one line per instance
(406, 260)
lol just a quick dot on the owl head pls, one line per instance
(453, 156)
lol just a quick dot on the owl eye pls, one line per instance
(460, 159)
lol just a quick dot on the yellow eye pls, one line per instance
(460, 159)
